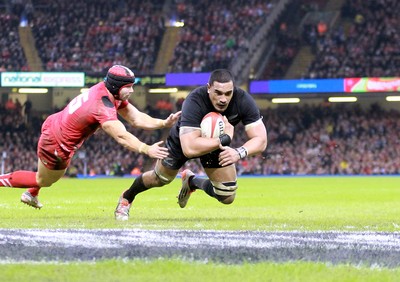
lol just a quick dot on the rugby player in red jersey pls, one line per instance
(64, 132)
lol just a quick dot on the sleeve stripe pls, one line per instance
(253, 124)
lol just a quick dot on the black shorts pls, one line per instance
(177, 159)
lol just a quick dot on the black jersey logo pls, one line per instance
(107, 102)
(233, 119)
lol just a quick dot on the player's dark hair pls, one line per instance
(221, 75)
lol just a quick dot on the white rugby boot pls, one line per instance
(185, 191)
(30, 200)
(122, 210)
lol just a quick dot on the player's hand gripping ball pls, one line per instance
(212, 125)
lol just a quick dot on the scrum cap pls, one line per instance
(117, 77)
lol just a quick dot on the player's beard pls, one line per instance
(124, 97)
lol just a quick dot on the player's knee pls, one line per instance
(42, 182)
(227, 200)
(162, 179)
(225, 192)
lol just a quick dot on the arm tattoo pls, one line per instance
(186, 130)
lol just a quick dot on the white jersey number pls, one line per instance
(77, 102)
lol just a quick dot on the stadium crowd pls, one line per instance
(368, 48)
(213, 39)
(12, 56)
(307, 140)
(330, 140)
(80, 35)
(363, 41)
(92, 35)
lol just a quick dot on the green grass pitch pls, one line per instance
(265, 204)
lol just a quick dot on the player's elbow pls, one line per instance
(189, 153)
(259, 147)
(264, 144)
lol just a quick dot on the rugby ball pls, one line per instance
(212, 125)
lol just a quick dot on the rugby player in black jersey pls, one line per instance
(218, 159)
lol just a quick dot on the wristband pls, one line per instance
(161, 122)
(225, 139)
(144, 148)
(242, 151)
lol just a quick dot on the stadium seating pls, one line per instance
(365, 44)
(78, 35)
(92, 35)
(213, 40)
(12, 56)
(305, 140)
(362, 42)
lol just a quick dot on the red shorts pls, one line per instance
(50, 152)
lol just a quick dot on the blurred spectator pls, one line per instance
(179, 104)
(95, 34)
(18, 106)
(369, 48)
(211, 40)
(10, 105)
(12, 57)
(303, 140)
(27, 110)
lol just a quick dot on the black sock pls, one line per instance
(203, 184)
(136, 188)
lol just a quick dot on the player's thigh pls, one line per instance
(46, 177)
(222, 174)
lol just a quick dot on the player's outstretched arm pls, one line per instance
(117, 130)
(156, 151)
(172, 119)
(142, 120)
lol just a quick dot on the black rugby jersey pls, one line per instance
(242, 108)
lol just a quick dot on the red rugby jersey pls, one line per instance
(84, 115)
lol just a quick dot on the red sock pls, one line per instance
(34, 191)
(19, 179)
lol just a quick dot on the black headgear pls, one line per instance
(117, 77)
